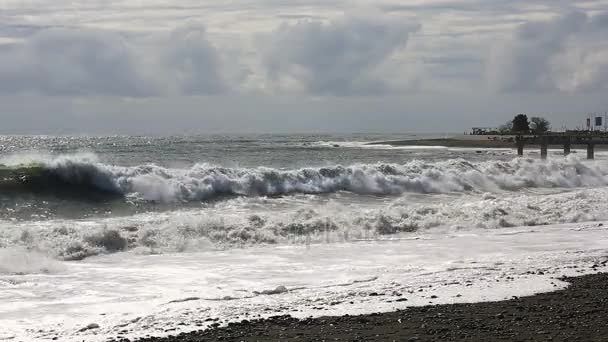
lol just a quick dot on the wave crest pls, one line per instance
(86, 175)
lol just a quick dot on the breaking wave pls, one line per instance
(18, 260)
(238, 223)
(85, 176)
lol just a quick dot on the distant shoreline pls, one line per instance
(472, 141)
(450, 142)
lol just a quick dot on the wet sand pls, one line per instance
(577, 313)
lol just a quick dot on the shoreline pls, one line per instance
(577, 312)
(471, 141)
(450, 142)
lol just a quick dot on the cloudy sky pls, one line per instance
(173, 66)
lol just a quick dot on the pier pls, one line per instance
(561, 139)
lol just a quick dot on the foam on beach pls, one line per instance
(122, 292)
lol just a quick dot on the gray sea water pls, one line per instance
(89, 195)
(81, 162)
(143, 235)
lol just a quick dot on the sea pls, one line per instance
(133, 236)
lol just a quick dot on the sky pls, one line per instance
(280, 66)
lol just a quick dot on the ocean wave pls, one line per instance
(19, 260)
(80, 175)
(240, 223)
(85, 175)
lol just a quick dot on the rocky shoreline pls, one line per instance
(577, 313)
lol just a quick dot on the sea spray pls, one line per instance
(241, 222)
(85, 175)
(21, 260)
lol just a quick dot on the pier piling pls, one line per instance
(543, 148)
(590, 151)
(566, 140)
(520, 147)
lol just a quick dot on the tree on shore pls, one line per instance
(539, 125)
(521, 124)
(506, 128)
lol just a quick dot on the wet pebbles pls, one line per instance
(578, 313)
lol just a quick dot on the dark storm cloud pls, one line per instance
(336, 57)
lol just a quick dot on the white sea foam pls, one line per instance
(204, 181)
(370, 146)
(19, 260)
(464, 195)
(135, 295)
(328, 239)
(254, 221)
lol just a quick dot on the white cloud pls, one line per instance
(191, 62)
(72, 62)
(126, 57)
(339, 57)
(86, 62)
(315, 47)
(565, 53)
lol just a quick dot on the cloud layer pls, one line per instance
(334, 58)
(310, 48)
(89, 62)
(566, 54)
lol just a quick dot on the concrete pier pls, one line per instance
(543, 148)
(566, 140)
(520, 148)
(590, 151)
